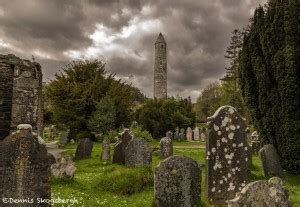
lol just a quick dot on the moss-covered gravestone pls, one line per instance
(24, 168)
(84, 149)
(226, 155)
(177, 182)
(138, 153)
(270, 161)
(166, 147)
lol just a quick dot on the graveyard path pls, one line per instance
(53, 149)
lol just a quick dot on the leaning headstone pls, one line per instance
(176, 134)
(84, 149)
(262, 193)
(24, 167)
(138, 153)
(64, 168)
(226, 155)
(189, 134)
(270, 161)
(169, 134)
(166, 147)
(105, 153)
(196, 134)
(119, 150)
(182, 135)
(177, 182)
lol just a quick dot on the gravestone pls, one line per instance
(166, 147)
(255, 142)
(24, 167)
(196, 134)
(138, 153)
(105, 153)
(169, 134)
(176, 134)
(84, 149)
(64, 137)
(177, 182)
(182, 135)
(203, 137)
(262, 193)
(64, 168)
(119, 150)
(270, 161)
(226, 155)
(189, 134)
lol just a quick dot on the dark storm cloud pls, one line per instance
(123, 34)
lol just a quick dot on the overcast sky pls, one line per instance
(122, 33)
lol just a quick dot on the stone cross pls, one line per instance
(177, 182)
(24, 167)
(262, 193)
(138, 153)
(270, 161)
(119, 150)
(226, 155)
(189, 134)
(84, 149)
(105, 153)
(166, 147)
(196, 134)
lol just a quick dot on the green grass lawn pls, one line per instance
(97, 183)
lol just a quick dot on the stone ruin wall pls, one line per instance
(21, 100)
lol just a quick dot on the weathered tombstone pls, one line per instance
(270, 161)
(169, 134)
(64, 137)
(120, 147)
(182, 135)
(177, 182)
(262, 193)
(105, 153)
(138, 153)
(255, 142)
(226, 155)
(203, 137)
(24, 167)
(166, 147)
(196, 134)
(84, 149)
(64, 168)
(176, 134)
(189, 134)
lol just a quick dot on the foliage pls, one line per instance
(103, 118)
(85, 134)
(160, 116)
(140, 133)
(269, 77)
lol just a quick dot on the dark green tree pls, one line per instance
(269, 77)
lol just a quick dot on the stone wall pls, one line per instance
(25, 99)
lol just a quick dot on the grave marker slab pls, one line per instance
(84, 149)
(119, 150)
(189, 134)
(138, 153)
(105, 153)
(166, 147)
(196, 134)
(270, 161)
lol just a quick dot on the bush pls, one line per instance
(85, 134)
(112, 136)
(143, 134)
(125, 181)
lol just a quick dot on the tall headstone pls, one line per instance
(177, 182)
(22, 99)
(166, 147)
(119, 150)
(196, 134)
(84, 149)
(182, 134)
(226, 155)
(138, 153)
(262, 193)
(105, 153)
(176, 134)
(24, 167)
(160, 68)
(189, 134)
(270, 161)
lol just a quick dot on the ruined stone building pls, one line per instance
(21, 99)
(160, 68)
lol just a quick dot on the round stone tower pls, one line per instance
(160, 68)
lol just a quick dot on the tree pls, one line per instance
(269, 77)
(103, 118)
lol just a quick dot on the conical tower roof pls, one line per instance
(160, 39)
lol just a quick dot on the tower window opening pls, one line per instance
(162, 46)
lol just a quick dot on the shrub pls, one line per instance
(143, 134)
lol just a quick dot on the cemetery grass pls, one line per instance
(98, 183)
